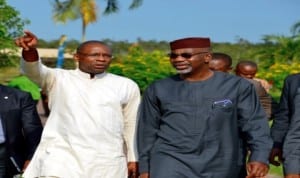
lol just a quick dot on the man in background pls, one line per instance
(221, 62)
(248, 69)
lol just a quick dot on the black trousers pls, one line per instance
(7, 169)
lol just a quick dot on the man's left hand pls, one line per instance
(257, 169)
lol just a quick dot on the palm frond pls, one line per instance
(65, 11)
(136, 4)
(112, 7)
(88, 10)
(296, 29)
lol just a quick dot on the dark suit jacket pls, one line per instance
(291, 146)
(282, 118)
(21, 124)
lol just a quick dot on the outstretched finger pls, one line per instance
(28, 34)
(20, 42)
(30, 39)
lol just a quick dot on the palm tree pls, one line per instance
(86, 10)
(112, 5)
(296, 29)
(281, 49)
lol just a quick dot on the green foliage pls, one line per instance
(279, 57)
(11, 26)
(242, 50)
(276, 74)
(281, 49)
(7, 73)
(8, 60)
(143, 67)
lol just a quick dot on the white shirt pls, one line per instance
(91, 121)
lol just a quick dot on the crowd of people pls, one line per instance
(209, 120)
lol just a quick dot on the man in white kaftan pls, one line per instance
(91, 130)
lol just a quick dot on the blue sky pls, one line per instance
(221, 20)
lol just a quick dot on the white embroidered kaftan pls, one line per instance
(91, 124)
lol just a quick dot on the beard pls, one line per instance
(185, 71)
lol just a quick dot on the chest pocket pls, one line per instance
(224, 105)
(221, 112)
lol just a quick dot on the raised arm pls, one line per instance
(31, 64)
(28, 43)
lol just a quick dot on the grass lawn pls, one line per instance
(276, 170)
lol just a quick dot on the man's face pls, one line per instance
(246, 71)
(218, 65)
(188, 60)
(93, 58)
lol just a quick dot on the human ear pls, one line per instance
(76, 57)
(207, 58)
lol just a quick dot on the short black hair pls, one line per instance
(247, 63)
(222, 56)
(90, 42)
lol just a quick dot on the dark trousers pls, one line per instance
(6, 167)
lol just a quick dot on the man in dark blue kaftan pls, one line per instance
(190, 124)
